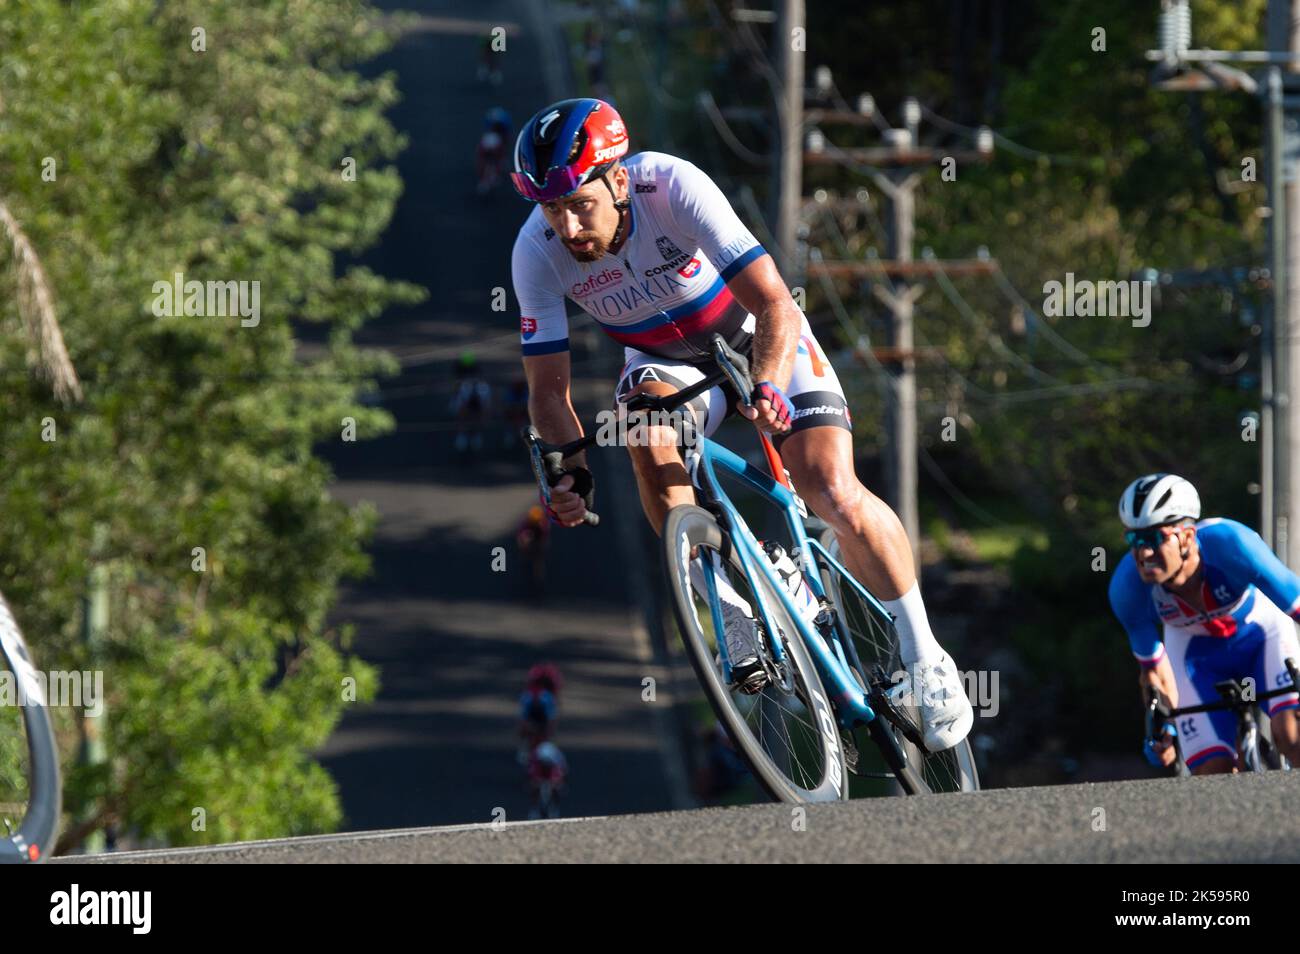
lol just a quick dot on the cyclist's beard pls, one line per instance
(599, 246)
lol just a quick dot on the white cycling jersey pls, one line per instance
(664, 293)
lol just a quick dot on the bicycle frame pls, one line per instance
(703, 462)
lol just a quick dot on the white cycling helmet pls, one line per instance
(1158, 499)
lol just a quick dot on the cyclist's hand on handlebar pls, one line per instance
(1161, 678)
(768, 408)
(1161, 752)
(567, 506)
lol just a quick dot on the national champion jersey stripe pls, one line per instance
(694, 318)
(736, 267)
(546, 347)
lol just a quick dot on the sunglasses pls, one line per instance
(1153, 537)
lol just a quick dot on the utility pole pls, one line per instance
(898, 179)
(790, 65)
(1287, 356)
(1182, 69)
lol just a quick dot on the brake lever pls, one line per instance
(734, 365)
(548, 468)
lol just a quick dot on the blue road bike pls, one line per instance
(830, 678)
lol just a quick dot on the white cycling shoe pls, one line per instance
(946, 713)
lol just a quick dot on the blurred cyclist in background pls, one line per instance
(470, 404)
(515, 409)
(539, 705)
(489, 65)
(490, 156)
(531, 538)
(547, 773)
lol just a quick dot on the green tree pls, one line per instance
(215, 142)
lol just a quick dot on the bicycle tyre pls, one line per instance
(875, 642)
(33, 838)
(686, 528)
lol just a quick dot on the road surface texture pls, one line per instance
(1244, 818)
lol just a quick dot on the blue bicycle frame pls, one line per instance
(849, 699)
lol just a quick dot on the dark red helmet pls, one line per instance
(544, 676)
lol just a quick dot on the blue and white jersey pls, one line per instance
(1238, 570)
(664, 292)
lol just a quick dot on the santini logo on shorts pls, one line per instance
(818, 409)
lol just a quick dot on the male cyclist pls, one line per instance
(651, 249)
(1204, 601)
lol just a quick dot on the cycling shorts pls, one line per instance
(816, 398)
(1259, 649)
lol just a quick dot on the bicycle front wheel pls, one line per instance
(30, 793)
(875, 646)
(787, 731)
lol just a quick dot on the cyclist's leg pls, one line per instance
(656, 458)
(1207, 740)
(818, 452)
(1278, 645)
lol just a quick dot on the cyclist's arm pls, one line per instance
(697, 206)
(1161, 678)
(550, 406)
(544, 340)
(1130, 600)
(760, 291)
(1243, 554)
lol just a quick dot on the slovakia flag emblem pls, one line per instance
(527, 327)
(690, 268)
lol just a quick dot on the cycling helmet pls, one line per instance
(544, 676)
(565, 146)
(1158, 499)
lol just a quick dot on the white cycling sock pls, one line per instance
(731, 600)
(915, 640)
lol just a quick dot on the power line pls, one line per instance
(719, 121)
(964, 309)
(1006, 143)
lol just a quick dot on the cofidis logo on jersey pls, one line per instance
(607, 277)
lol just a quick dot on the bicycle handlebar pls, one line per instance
(1158, 711)
(548, 459)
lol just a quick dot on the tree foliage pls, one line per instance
(218, 155)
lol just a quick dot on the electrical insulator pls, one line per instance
(1175, 29)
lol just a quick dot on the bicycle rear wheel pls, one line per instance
(30, 793)
(787, 732)
(875, 645)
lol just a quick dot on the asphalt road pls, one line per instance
(453, 637)
(1244, 818)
